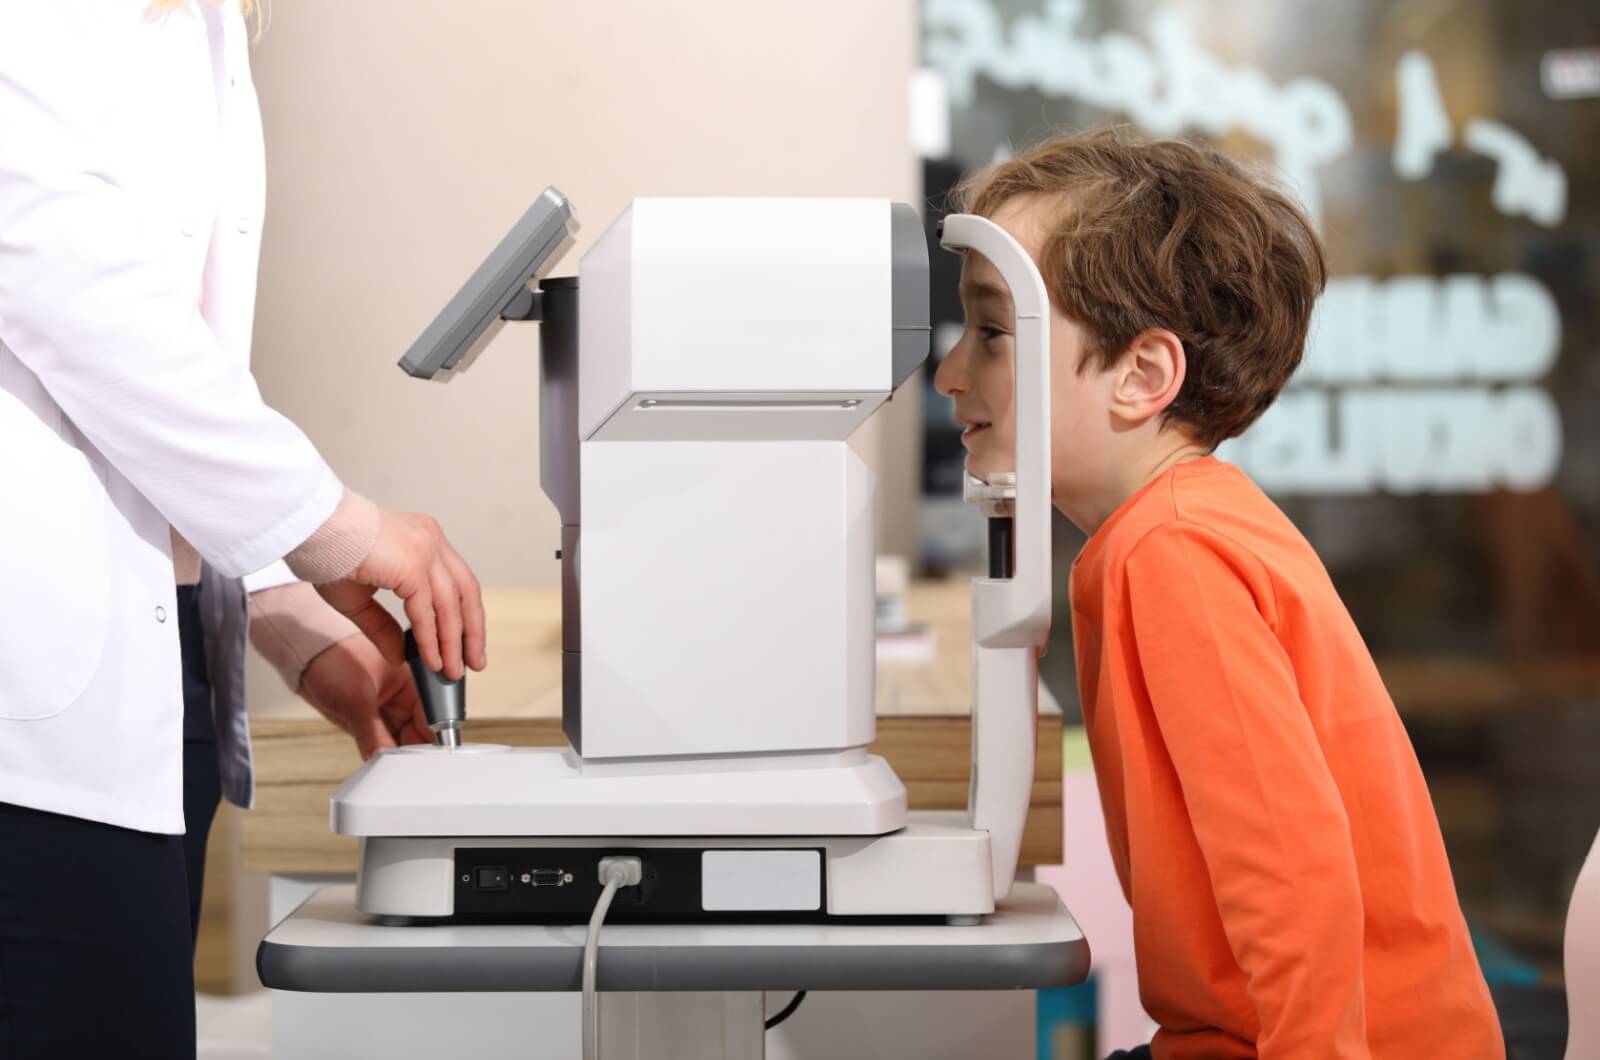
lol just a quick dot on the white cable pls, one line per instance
(614, 873)
(591, 956)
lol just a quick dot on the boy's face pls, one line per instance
(979, 373)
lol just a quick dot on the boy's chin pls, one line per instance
(981, 467)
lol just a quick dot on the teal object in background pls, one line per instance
(1501, 965)
(1066, 1021)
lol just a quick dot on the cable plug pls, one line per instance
(627, 871)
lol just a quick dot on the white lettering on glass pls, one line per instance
(1172, 85)
(1167, 86)
(1525, 183)
(1416, 384)
(1424, 129)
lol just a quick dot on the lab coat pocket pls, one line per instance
(55, 564)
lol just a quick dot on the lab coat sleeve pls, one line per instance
(88, 304)
(269, 577)
(1259, 793)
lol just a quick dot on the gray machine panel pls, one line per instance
(325, 946)
(402, 969)
(908, 291)
(472, 317)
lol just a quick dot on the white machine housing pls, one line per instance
(717, 547)
(724, 567)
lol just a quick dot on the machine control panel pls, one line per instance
(562, 884)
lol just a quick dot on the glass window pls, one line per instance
(1440, 445)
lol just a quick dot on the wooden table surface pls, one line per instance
(924, 730)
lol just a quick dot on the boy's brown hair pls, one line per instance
(1175, 235)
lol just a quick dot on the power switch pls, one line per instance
(495, 878)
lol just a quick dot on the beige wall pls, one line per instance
(403, 139)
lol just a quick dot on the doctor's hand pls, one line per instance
(375, 701)
(412, 558)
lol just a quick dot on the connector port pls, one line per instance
(546, 877)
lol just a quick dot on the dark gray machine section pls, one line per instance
(428, 970)
(472, 317)
(558, 475)
(558, 395)
(372, 958)
(443, 700)
(908, 293)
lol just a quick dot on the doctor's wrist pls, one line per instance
(337, 547)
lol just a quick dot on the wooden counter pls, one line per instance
(924, 731)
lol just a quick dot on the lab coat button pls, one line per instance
(161, 613)
(244, 225)
(188, 228)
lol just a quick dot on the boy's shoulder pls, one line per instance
(1205, 504)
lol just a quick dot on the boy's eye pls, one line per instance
(989, 332)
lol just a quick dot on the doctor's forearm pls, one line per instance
(291, 624)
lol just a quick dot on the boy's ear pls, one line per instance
(1149, 375)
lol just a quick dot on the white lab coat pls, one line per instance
(131, 196)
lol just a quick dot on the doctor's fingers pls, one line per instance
(400, 707)
(447, 617)
(457, 613)
(372, 735)
(406, 719)
(424, 628)
(356, 602)
(475, 650)
(414, 728)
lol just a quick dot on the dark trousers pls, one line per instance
(97, 923)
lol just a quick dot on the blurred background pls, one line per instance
(1440, 447)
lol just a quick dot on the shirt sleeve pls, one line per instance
(90, 307)
(1259, 793)
(290, 625)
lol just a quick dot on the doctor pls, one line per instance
(146, 489)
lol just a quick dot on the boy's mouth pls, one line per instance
(972, 430)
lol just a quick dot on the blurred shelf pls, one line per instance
(1455, 688)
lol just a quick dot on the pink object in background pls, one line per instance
(1583, 960)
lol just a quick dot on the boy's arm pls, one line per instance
(1259, 794)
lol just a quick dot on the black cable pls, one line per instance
(787, 1011)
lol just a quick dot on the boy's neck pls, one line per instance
(1089, 509)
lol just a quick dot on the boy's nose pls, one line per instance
(950, 379)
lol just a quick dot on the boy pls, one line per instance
(1266, 814)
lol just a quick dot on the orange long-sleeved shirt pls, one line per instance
(1267, 817)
